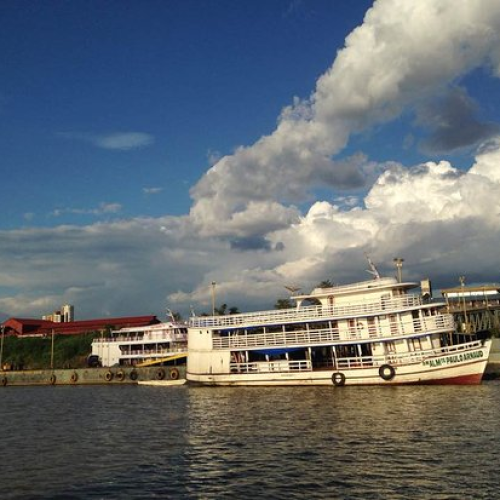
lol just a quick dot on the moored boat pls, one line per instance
(161, 343)
(368, 333)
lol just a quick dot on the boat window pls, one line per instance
(320, 325)
(390, 346)
(275, 329)
(385, 299)
(366, 349)
(415, 344)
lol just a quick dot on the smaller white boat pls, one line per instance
(159, 344)
(162, 383)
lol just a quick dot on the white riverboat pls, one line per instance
(161, 343)
(368, 333)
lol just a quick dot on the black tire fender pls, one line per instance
(338, 379)
(387, 372)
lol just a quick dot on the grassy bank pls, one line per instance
(70, 351)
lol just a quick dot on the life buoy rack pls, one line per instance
(108, 376)
(4, 381)
(160, 374)
(52, 379)
(133, 375)
(74, 377)
(174, 373)
(120, 375)
(338, 379)
(387, 372)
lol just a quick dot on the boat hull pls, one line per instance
(464, 368)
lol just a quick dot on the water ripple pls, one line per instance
(276, 443)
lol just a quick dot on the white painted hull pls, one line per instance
(162, 383)
(465, 368)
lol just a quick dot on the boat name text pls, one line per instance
(457, 358)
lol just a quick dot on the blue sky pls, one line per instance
(187, 80)
(149, 148)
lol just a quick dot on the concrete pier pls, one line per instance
(91, 376)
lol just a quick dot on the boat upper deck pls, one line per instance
(165, 332)
(366, 307)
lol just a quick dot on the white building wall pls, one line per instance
(68, 313)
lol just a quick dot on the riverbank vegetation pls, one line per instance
(34, 353)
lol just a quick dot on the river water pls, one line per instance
(140, 442)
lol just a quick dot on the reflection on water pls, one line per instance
(138, 442)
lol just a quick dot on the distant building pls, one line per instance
(475, 308)
(472, 297)
(26, 327)
(65, 315)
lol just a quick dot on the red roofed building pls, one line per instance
(22, 327)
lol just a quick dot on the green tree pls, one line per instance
(283, 304)
(325, 284)
(221, 310)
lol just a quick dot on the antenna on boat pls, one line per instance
(373, 270)
(170, 314)
(292, 288)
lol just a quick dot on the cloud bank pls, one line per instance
(403, 55)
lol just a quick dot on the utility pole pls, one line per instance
(52, 351)
(213, 297)
(2, 328)
(462, 285)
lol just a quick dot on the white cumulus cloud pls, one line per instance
(119, 141)
(402, 55)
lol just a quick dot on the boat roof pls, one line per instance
(147, 328)
(355, 288)
(466, 291)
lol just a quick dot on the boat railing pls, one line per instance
(153, 352)
(271, 366)
(148, 337)
(440, 323)
(306, 313)
(397, 359)
(354, 362)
